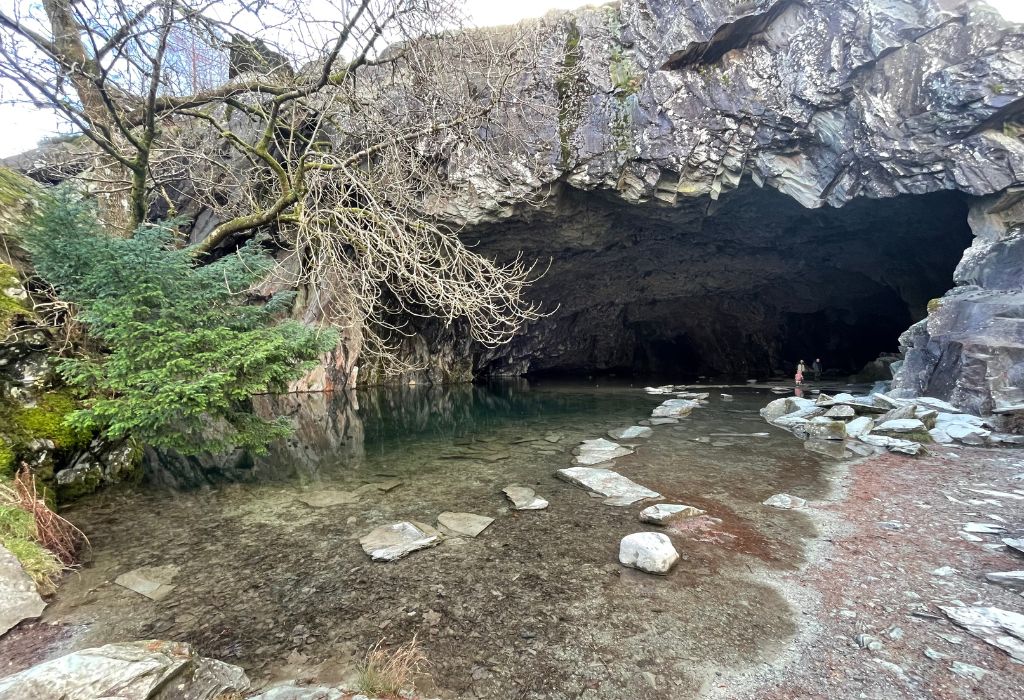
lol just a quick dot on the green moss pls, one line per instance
(86, 482)
(47, 420)
(566, 84)
(10, 307)
(625, 77)
(934, 305)
(7, 460)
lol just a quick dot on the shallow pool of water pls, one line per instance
(536, 606)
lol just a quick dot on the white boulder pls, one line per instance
(785, 502)
(648, 551)
(391, 542)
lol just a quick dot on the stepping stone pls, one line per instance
(663, 421)
(617, 489)
(154, 582)
(599, 450)
(664, 513)
(19, 599)
(648, 551)
(465, 524)
(524, 498)
(636, 431)
(391, 542)
(785, 502)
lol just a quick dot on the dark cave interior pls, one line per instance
(741, 287)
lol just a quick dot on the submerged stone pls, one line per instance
(636, 431)
(524, 498)
(391, 542)
(617, 489)
(466, 524)
(154, 582)
(19, 599)
(785, 502)
(1003, 629)
(599, 450)
(328, 498)
(662, 513)
(648, 551)
(675, 408)
(826, 429)
(892, 444)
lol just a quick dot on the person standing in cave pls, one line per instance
(800, 369)
(816, 368)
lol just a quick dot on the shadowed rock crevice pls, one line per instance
(733, 35)
(743, 286)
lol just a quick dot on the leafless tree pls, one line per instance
(336, 126)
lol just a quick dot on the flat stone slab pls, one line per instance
(19, 599)
(465, 524)
(1010, 579)
(154, 582)
(785, 502)
(663, 421)
(901, 425)
(1002, 629)
(524, 498)
(391, 542)
(617, 489)
(675, 408)
(840, 411)
(663, 513)
(599, 450)
(636, 431)
(648, 551)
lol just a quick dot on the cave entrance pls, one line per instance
(746, 286)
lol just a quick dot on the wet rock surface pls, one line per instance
(19, 599)
(150, 670)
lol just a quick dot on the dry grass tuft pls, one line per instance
(52, 531)
(45, 543)
(386, 673)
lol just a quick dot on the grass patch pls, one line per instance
(386, 673)
(45, 543)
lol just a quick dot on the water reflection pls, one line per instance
(334, 432)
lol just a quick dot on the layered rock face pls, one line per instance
(661, 119)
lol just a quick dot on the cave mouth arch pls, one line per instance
(745, 286)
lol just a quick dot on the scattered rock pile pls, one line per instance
(881, 422)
